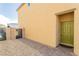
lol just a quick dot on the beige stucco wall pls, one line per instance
(76, 32)
(10, 33)
(13, 33)
(41, 23)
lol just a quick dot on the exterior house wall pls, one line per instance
(41, 23)
(10, 33)
(8, 37)
(76, 32)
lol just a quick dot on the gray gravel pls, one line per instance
(23, 47)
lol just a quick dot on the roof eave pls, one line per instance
(20, 6)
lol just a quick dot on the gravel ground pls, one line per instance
(21, 47)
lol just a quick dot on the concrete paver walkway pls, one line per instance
(21, 47)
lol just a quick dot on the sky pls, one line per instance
(8, 13)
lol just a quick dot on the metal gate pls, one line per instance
(18, 33)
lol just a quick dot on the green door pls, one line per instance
(67, 33)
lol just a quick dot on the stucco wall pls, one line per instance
(76, 32)
(41, 23)
(10, 33)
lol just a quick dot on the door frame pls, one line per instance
(58, 23)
